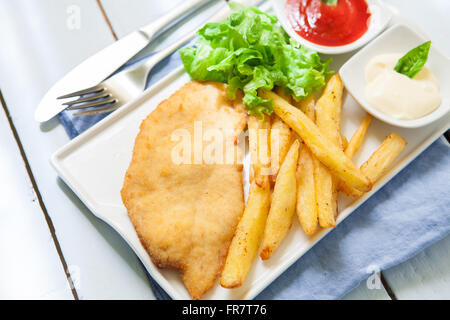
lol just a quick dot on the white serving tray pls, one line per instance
(94, 165)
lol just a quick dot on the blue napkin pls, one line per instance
(408, 214)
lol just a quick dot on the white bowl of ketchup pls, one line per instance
(329, 29)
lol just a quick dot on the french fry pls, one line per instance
(326, 196)
(386, 153)
(353, 146)
(344, 142)
(282, 209)
(253, 146)
(323, 149)
(328, 117)
(280, 141)
(307, 107)
(280, 91)
(358, 137)
(306, 194)
(379, 161)
(247, 238)
(249, 232)
(259, 132)
(281, 137)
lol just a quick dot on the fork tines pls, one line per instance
(93, 89)
(96, 96)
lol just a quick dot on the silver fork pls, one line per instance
(114, 92)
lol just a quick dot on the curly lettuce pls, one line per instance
(250, 51)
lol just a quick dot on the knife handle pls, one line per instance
(156, 26)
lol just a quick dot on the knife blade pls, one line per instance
(104, 63)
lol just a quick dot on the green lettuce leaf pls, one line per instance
(250, 51)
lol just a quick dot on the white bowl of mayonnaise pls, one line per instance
(391, 96)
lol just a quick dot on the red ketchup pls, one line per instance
(329, 25)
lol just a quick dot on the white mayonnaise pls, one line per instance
(398, 95)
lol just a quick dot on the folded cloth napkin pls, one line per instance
(408, 214)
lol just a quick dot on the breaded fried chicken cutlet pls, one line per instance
(185, 211)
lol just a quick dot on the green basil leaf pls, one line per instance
(330, 2)
(412, 62)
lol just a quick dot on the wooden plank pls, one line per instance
(30, 267)
(362, 292)
(426, 276)
(44, 42)
(137, 13)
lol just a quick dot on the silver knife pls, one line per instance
(101, 65)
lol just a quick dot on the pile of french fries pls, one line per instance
(300, 152)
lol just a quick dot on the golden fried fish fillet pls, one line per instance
(186, 214)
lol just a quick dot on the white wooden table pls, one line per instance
(46, 233)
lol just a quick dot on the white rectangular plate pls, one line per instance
(94, 165)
